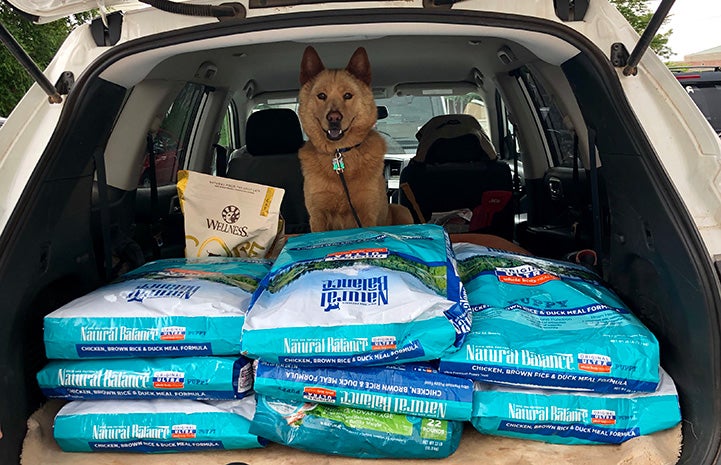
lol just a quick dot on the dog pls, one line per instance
(337, 111)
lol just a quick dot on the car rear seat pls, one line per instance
(270, 157)
(456, 167)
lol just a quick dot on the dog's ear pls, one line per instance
(310, 65)
(359, 65)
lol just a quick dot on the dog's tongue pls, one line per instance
(334, 133)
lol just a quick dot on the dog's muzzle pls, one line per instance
(334, 131)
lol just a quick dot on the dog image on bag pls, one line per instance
(342, 161)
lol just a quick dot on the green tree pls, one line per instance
(639, 15)
(41, 42)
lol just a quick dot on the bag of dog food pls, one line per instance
(158, 425)
(172, 307)
(549, 324)
(198, 378)
(226, 217)
(564, 417)
(354, 432)
(368, 296)
(410, 389)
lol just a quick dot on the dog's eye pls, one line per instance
(347, 96)
(322, 96)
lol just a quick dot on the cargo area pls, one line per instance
(578, 175)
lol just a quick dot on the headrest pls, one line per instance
(273, 131)
(453, 138)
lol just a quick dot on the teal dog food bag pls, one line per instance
(412, 389)
(549, 324)
(354, 432)
(198, 378)
(565, 417)
(167, 308)
(158, 425)
(370, 296)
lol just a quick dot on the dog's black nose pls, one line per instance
(334, 117)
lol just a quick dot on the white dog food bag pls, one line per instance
(226, 217)
(370, 296)
(158, 425)
(166, 308)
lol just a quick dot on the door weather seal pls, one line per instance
(631, 67)
(24, 59)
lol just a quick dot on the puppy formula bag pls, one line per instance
(173, 307)
(354, 432)
(565, 417)
(199, 378)
(410, 389)
(226, 217)
(370, 296)
(549, 324)
(159, 425)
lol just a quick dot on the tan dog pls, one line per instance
(337, 111)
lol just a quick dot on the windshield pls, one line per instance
(708, 99)
(406, 115)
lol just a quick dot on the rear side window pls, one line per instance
(170, 142)
(558, 136)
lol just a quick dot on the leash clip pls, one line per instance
(338, 165)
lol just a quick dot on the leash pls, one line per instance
(339, 167)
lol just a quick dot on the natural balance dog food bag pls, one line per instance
(354, 432)
(411, 389)
(158, 425)
(368, 296)
(226, 217)
(172, 307)
(549, 324)
(199, 378)
(566, 417)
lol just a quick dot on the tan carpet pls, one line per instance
(661, 448)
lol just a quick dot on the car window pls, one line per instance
(707, 97)
(560, 139)
(170, 141)
(407, 113)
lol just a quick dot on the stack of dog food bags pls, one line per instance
(556, 356)
(343, 327)
(152, 363)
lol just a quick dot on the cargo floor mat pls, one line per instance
(660, 448)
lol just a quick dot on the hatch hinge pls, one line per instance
(65, 83)
(631, 67)
(571, 10)
(107, 33)
(440, 3)
(30, 66)
(224, 11)
(619, 55)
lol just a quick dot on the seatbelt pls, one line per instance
(155, 227)
(595, 200)
(408, 192)
(102, 182)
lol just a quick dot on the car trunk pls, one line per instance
(650, 250)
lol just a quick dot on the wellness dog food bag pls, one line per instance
(173, 307)
(159, 425)
(574, 417)
(549, 324)
(355, 297)
(354, 432)
(199, 378)
(410, 389)
(226, 217)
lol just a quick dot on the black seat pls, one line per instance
(270, 157)
(455, 168)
